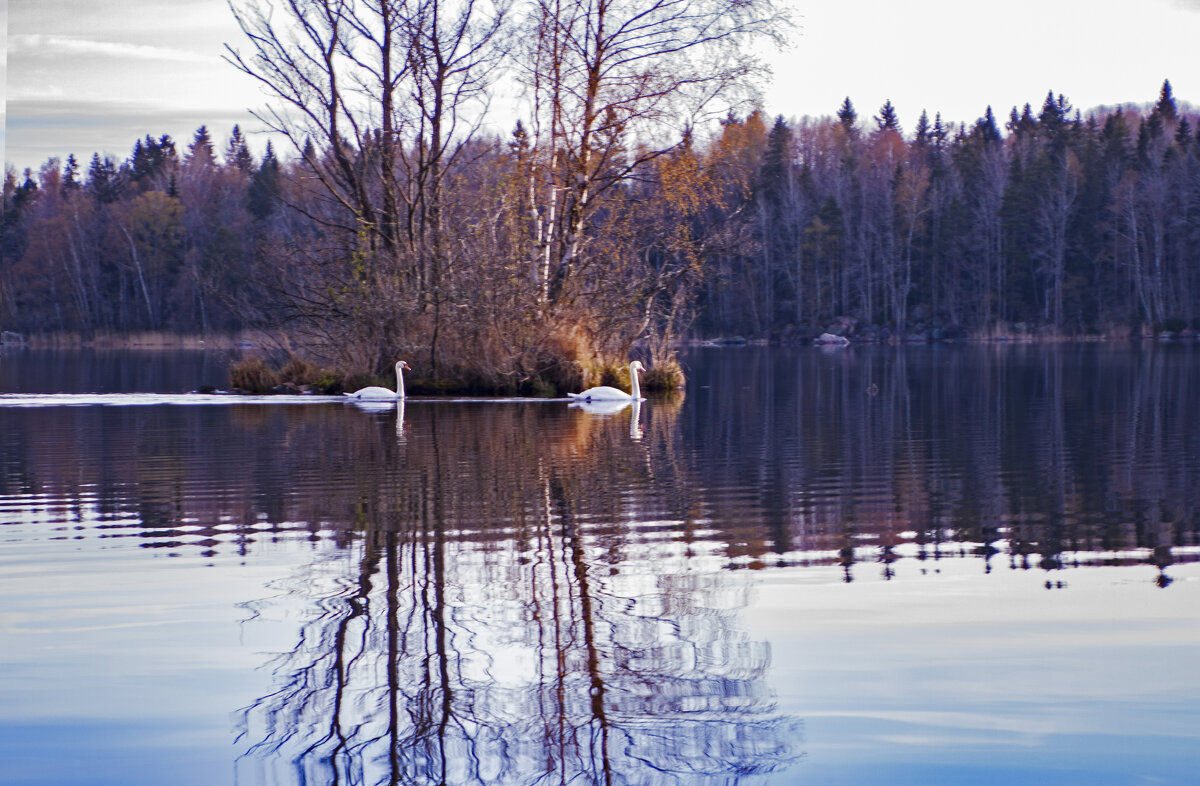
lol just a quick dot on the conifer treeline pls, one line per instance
(156, 242)
(1070, 224)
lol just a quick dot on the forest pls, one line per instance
(623, 213)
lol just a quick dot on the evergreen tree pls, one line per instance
(152, 162)
(1165, 107)
(262, 196)
(1114, 139)
(70, 177)
(104, 182)
(777, 158)
(1150, 132)
(1183, 135)
(888, 120)
(200, 151)
(1054, 115)
(1024, 124)
(26, 190)
(847, 116)
(985, 128)
(519, 143)
(237, 154)
(921, 134)
(939, 133)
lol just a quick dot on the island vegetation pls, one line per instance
(640, 200)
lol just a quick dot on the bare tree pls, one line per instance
(376, 97)
(603, 74)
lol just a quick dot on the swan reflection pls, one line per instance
(377, 405)
(602, 407)
(383, 407)
(606, 408)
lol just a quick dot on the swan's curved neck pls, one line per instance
(399, 382)
(635, 389)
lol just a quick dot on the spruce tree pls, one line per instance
(922, 131)
(263, 194)
(200, 151)
(985, 128)
(1115, 140)
(1165, 107)
(152, 162)
(887, 120)
(1183, 134)
(939, 133)
(70, 177)
(237, 154)
(104, 182)
(847, 116)
(777, 156)
(1024, 124)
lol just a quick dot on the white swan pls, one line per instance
(606, 393)
(376, 393)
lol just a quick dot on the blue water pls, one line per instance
(950, 564)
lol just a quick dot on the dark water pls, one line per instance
(918, 565)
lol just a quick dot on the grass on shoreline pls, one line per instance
(251, 371)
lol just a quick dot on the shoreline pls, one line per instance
(265, 341)
(244, 340)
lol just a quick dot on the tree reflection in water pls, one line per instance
(527, 591)
(545, 654)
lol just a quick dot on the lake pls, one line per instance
(904, 565)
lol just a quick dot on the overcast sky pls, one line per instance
(88, 76)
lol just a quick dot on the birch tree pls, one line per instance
(597, 70)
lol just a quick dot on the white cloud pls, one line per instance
(34, 92)
(38, 44)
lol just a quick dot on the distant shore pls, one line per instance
(250, 340)
(243, 340)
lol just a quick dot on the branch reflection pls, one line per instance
(547, 651)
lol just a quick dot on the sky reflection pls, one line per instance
(986, 570)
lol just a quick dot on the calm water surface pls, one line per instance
(952, 564)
